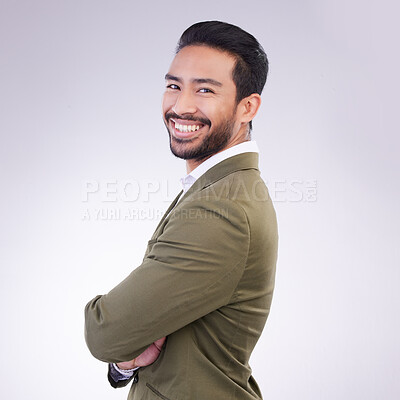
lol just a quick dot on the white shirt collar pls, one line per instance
(244, 147)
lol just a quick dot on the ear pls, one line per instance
(248, 107)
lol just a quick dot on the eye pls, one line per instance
(205, 90)
(172, 86)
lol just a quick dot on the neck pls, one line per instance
(242, 135)
(192, 164)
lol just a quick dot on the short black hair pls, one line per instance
(251, 69)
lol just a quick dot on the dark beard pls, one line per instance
(216, 141)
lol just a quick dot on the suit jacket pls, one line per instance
(206, 282)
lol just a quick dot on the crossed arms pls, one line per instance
(191, 269)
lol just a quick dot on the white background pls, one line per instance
(80, 102)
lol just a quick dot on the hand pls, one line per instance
(146, 358)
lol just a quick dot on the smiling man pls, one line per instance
(184, 323)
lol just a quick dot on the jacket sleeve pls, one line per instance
(190, 270)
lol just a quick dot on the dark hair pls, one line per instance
(250, 71)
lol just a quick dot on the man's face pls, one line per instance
(199, 107)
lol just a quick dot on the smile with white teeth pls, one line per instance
(186, 128)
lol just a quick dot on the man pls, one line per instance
(190, 315)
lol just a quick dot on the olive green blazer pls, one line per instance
(206, 282)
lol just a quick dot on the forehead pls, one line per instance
(203, 62)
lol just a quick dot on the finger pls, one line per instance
(159, 343)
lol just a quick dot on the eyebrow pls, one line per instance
(195, 80)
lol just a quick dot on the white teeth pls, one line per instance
(186, 128)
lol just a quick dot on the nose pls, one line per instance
(184, 104)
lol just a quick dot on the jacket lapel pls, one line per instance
(232, 164)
